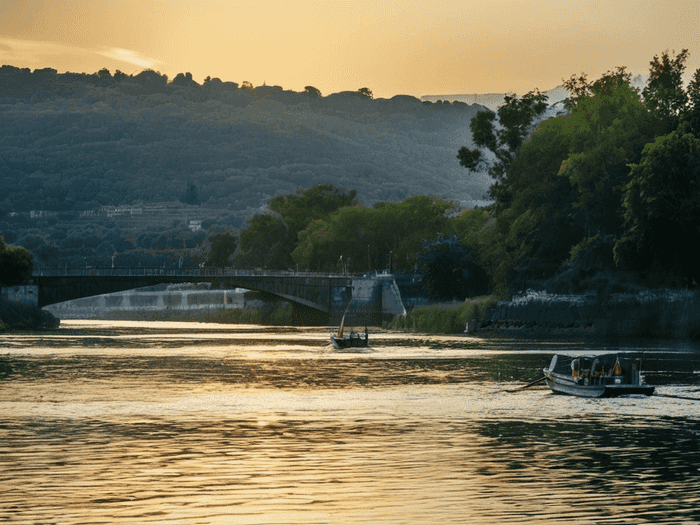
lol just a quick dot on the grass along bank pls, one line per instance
(445, 318)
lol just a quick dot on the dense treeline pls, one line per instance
(73, 142)
(604, 196)
(324, 229)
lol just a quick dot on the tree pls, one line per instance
(184, 80)
(15, 264)
(691, 114)
(191, 195)
(366, 92)
(312, 91)
(265, 243)
(449, 271)
(246, 85)
(515, 122)
(662, 210)
(299, 209)
(386, 230)
(664, 94)
(222, 247)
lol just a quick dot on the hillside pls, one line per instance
(75, 142)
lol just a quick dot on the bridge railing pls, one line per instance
(178, 272)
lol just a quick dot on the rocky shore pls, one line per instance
(662, 314)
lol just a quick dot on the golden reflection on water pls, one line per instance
(192, 423)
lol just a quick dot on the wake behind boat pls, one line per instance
(607, 375)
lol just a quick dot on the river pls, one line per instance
(187, 423)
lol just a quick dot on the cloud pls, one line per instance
(32, 53)
(132, 57)
(36, 49)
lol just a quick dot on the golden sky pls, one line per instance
(410, 47)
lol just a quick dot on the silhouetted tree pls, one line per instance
(310, 90)
(515, 119)
(664, 94)
(184, 80)
(365, 92)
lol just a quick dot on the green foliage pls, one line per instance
(662, 209)
(269, 239)
(477, 232)
(604, 187)
(515, 119)
(691, 113)
(367, 237)
(312, 91)
(445, 318)
(265, 243)
(299, 209)
(19, 316)
(449, 271)
(15, 264)
(223, 245)
(73, 142)
(664, 94)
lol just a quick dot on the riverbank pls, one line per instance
(16, 315)
(656, 314)
(446, 318)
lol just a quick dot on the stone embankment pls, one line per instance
(655, 314)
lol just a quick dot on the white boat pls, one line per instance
(607, 375)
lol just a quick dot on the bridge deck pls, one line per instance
(321, 291)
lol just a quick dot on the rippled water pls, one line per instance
(122, 422)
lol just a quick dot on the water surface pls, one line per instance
(127, 422)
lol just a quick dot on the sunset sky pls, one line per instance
(391, 46)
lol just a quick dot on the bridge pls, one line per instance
(326, 294)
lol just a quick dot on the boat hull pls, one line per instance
(604, 375)
(340, 343)
(560, 386)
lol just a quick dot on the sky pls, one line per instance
(393, 47)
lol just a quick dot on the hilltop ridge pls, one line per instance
(78, 141)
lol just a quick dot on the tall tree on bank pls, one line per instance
(662, 197)
(662, 212)
(515, 122)
(15, 264)
(559, 195)
(664, 94)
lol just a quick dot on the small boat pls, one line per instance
(352, 340)
(607, 375)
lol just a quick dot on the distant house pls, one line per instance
(195, 226)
